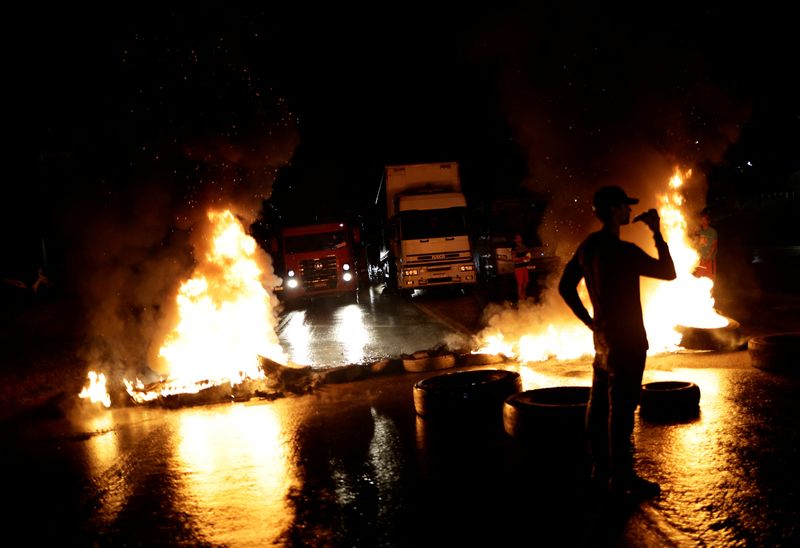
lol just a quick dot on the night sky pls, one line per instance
(124, 126)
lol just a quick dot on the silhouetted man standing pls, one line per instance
(611, 268)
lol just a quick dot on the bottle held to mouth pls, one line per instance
(649, 214)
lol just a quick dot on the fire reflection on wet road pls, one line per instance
(220, 440)
(346, 465)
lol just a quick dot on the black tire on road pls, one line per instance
(478, 393)
(669, 400)
(422, 361)
(470, 359)
(779, 352)
(541, 414)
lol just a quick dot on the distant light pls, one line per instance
(749, 163)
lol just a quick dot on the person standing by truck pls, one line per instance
(522, 257)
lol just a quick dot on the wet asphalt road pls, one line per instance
(352, 465)
(331, 332)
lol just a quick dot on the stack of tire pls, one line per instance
(472, 394)
(669, 401)
(428, 360)
(550, 419)
(553, 417)
(777, 353)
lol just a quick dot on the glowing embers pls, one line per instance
(276, 380)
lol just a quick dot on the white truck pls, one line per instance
(426, 237)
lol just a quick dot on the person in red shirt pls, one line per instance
(706, 241)
(522, 256)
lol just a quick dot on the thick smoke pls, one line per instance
(594, 97)
(131, 247)
(599, 96)
(157, 118)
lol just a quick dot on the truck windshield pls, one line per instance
(315, 242)
(433, 223)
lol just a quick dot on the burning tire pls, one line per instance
(779, 352)
(423, 361)
(474, 393)
(711, 338)
(545, 413)
(670, 400)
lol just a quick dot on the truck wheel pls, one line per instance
(391, 281)
(669, 400)
(479, 393)
(779, 352)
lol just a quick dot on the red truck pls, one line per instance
(319, 259)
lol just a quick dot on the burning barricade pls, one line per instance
(224, 346)
(679, 314)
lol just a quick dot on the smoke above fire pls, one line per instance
(133, 246)
(592, 102)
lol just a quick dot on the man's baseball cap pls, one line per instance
(609, 196)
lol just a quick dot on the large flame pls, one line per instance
(687, 300)
(96, 391)
(225, 319)
(537, 332)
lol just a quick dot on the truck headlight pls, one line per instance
(345, 266)
(292, 283)
(290, 273)
(347, 276)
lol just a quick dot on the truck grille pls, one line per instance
(443, 258)
(319, 273)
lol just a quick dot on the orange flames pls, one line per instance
(226, 319)
(549, 330)
(96, 391)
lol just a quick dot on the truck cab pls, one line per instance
(426, 230)
(319, 260)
